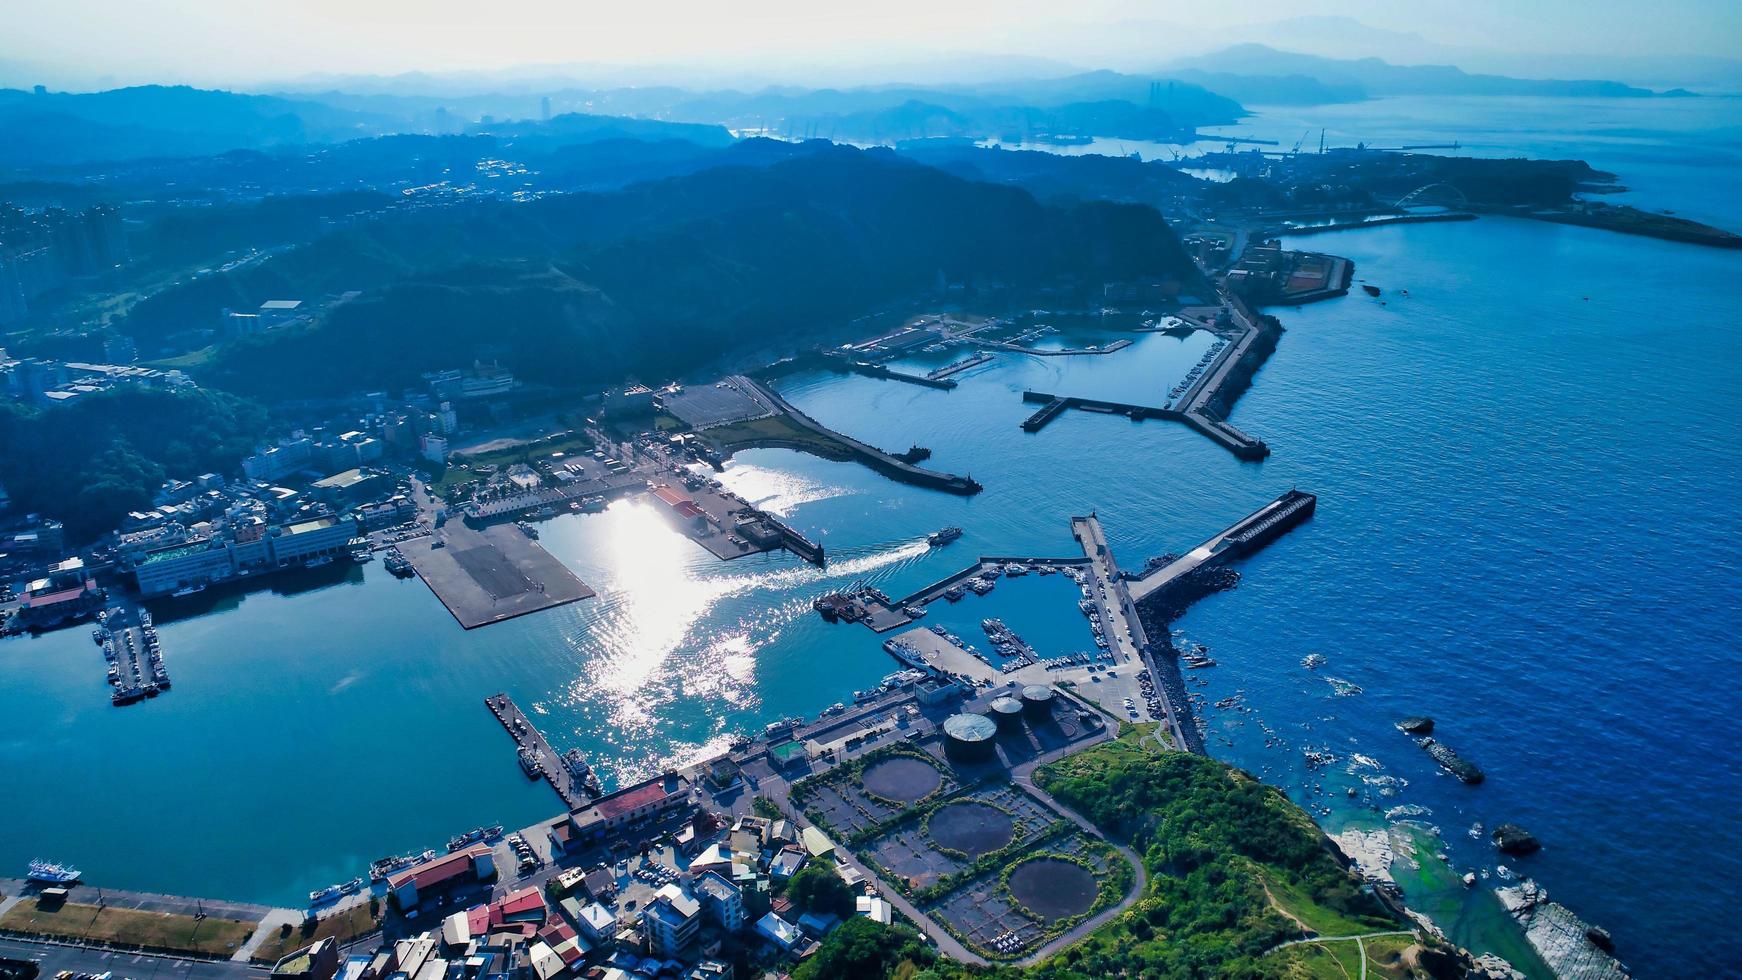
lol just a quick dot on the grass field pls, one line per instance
(775, 429)
(132, 927)
(343, 926)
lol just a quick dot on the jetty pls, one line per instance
(1244, 537)
(545, 761)
(885, 463)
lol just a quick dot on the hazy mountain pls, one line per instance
(157, 120)
(1376, 77)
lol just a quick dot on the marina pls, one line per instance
(1204, 398)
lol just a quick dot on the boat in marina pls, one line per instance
(325, 895)
(529, 763)
(50, 873)
(473, 837)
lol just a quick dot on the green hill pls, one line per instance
(660, 278)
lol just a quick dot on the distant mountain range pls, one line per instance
(1256, 74)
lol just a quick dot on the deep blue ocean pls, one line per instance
(1524, 530)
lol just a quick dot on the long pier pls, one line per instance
(1242, 538)
(529, 739)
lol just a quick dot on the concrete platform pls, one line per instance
(493, 574)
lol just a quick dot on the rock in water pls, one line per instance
(1450, 761)
(1600, 938)
(1513, 839)
(1559, 936)
(1418, 725)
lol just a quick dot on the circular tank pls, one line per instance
(1037, 701)
(969, 737)
(1007, 714)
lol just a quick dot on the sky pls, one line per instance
(243, 43)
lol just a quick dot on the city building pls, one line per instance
(654, 798)
(475, 863)
(721, 900)
(241, 549)
(317, 961)
(671, 921)
(779, 932)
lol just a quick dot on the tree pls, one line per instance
(861, 949)
(817, 888)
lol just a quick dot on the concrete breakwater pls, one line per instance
(882, 462)
(884, 372)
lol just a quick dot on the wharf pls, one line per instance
(959, 366)
(526, 735)
(508, 508)
(130, 647)
(1243, 538)
(491, 574)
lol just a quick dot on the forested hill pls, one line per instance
(661, 278)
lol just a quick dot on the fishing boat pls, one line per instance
(50, 873)
(474, 837)
(325, 895)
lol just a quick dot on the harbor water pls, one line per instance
(1521, 468)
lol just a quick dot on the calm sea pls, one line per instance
(1523, 465)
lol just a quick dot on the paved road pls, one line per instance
(54, 957)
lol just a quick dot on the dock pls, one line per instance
(1114, 347)
(491, 574)
(546, 763)
(128, 639)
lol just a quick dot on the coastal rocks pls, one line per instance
(1513, 839)
(1370, 850)
(1450, 761)
(1417, 725)
(1561, 938)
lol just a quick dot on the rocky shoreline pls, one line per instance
(1570, 946)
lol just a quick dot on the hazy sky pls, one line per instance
(251, 41)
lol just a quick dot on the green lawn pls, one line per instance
(343, 926)
(211, 936)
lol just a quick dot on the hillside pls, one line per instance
(660, 278)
